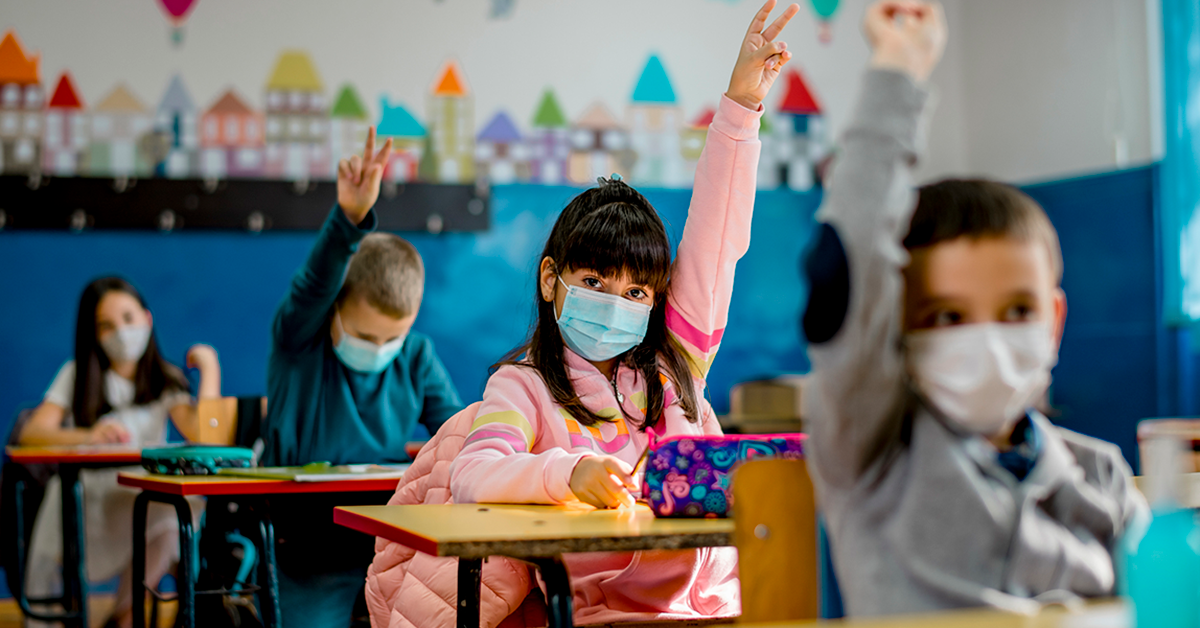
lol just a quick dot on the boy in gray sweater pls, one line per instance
(942, 485)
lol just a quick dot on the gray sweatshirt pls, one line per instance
(922, 517)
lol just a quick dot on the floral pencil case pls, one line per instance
(689, 476)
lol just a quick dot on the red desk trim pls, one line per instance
(375, 527)
(73, 457)
(255, 487)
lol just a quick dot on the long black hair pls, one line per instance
(154, 374)
(613, 230)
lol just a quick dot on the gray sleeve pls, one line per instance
(856, 398)
(62, 390)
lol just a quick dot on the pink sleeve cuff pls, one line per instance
(736, 121)
(558, 476)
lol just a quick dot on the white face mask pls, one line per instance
(983, 377)
(126, 344)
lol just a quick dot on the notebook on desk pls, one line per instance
(321, 472)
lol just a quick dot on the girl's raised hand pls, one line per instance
(761, 58)
(359, 178)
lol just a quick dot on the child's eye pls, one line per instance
(637, 294)
(1019, 312)
(946, 318)
(593, 283)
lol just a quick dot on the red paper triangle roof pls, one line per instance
(798, 99)
(65, 96)
(451, 82)
(704, 119)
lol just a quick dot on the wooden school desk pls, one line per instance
(174, 490)
(537, 534)
(1103, 614)
(70, 461)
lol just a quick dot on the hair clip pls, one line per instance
(614, 178)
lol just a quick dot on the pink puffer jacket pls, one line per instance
(409, 589)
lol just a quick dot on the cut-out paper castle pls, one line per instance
(300, 135)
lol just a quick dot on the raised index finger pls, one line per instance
(369, 152)
(760, 18)
(776, 27)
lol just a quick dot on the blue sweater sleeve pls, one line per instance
(302, 315)
(441, 397)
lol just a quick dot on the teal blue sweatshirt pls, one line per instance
(320, 410)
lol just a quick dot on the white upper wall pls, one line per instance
(1054, 88)
(1029, 89)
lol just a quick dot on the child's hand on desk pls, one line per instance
(761, 58)
(359, 178)
(107, 432)
(603, 482)
(908, 36)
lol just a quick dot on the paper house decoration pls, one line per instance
(599, 146)
(347, 126)
(799, 134)
(21, 116)
(654, 123)
(691, 138)
(549, 142)
(452, 127)
(408, 141)
(66, 135)
(175, 123)
(119, 123)
(500, 154)
(297, 120)
(231, 139)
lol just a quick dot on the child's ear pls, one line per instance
(1060, 316)
(547, 274)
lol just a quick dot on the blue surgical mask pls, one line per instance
(600, 326)
(365, 356)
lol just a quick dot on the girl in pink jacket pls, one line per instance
(623, 342)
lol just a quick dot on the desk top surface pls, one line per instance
(81, 454)
(1102, 614)
(526, 531)
(230, 485)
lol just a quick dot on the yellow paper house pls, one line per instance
(452, 127)
(297, 120)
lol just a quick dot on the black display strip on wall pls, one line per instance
(94, 204)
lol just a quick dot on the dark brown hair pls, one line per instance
(154, 375)
(613, 230)
(979, 208)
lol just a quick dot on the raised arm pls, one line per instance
(717, 232)
(301, 317)
(854, 404)
(186, 416)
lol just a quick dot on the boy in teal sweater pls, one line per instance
(347, 381)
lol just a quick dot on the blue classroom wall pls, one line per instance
(1110, 369)
(222, 289)
(1118, 363)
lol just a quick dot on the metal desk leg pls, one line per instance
(268, 572)
(75, 583)
(185, 583)
(559, 607)
(468, 592)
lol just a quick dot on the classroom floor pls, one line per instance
(10, 615)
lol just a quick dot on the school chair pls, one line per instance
(22, 490)
(220, 424)
(1186, 430)
(767, 406)
(776, 534)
